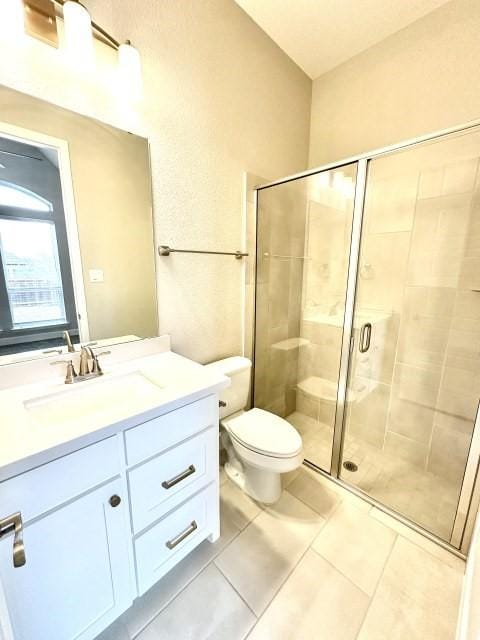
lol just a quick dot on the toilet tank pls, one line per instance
(238, 369)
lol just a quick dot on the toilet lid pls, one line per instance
(266, 433)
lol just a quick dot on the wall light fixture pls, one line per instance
(40, 21)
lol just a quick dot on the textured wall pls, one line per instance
(421, 79)
(219, 98)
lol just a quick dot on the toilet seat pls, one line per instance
(265, 433)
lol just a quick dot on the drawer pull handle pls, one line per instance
(115, 501)
(171, 544)
(168, 484)
(14, 523)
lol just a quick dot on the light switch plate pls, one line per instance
(96, 275)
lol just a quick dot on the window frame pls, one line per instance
(9, 333)
(72, 239)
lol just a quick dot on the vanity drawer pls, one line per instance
(56, 482)
(162, 546)
(164, 482)
(154, 436)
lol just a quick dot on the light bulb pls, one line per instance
(11, 20)
(130, 69)
(78, 33)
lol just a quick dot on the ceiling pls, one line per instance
(321, 34)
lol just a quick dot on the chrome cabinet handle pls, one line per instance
(365, 336)
(168, 484)
(171, 544)
(14, 523)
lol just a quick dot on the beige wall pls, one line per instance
(112, 190)
(219, 98)
(222, 99)
(421, 79)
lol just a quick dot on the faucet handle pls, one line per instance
(14, 524)
(96, 368)
(71, 373)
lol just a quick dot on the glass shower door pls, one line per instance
(414, 371)
(304, 229)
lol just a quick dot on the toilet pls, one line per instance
(260, 445)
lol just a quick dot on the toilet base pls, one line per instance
(260, 484)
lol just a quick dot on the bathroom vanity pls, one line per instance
(110, 482)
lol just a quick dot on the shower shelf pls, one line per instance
(276, 255)
(323, 389)
(290, 343)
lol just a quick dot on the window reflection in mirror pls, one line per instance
(77, 247)
(37, 301)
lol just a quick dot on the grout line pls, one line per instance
(286, 577)
(177, 593)
(235, 589)
(372, 597)
(270, 602)
(211, 561)
(338, 570)
(321, 515)
(367, 513)
(310, 548)
(417, 544)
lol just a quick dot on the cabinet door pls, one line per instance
(76, 580)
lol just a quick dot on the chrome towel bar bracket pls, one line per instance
(165, 250)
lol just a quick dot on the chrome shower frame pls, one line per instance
(469, 499)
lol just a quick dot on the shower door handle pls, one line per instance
(365, 335)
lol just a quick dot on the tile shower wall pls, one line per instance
(421, 265)
(414, 395)
(280, 246)
(390, 209)
(328, 231)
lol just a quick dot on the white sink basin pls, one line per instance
(118, 397)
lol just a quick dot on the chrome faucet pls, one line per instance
(84, 371)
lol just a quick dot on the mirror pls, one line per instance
(76, 231)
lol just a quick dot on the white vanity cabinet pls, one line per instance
(103, 524)
(174, 488)
(75, 581)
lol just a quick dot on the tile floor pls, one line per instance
(422, 496)
(321, 564)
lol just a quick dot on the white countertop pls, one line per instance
(27, 441)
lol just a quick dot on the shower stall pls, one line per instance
(367, 323)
